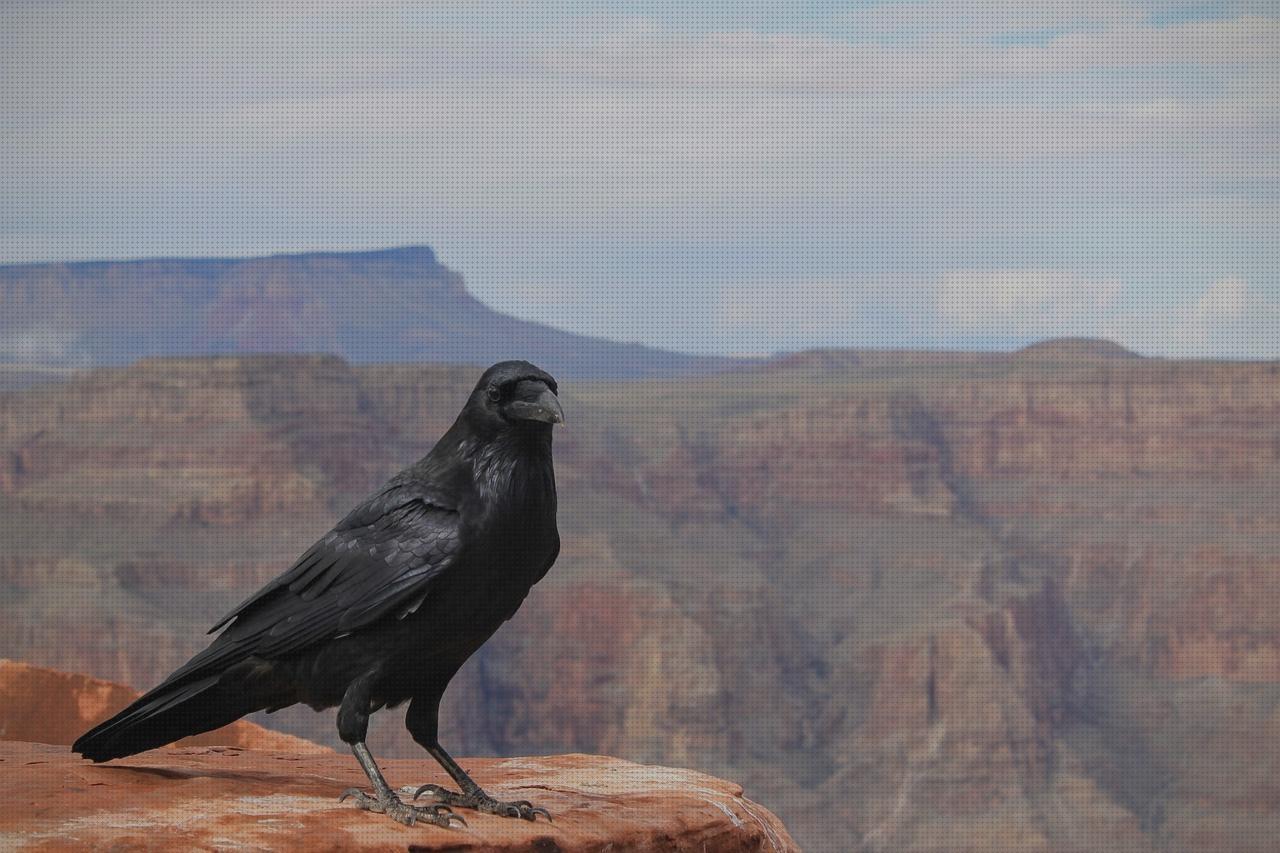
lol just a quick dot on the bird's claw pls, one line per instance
(482, 802)
(528, 810)
(437, 814)
(448, 813)
(436, 791)
(352, 792)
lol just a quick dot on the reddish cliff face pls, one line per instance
(868, 445)
(1146, 475)
(259, 438)
(923, 601)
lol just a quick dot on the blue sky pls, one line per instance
(721, 177)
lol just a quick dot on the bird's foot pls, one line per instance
(482, 802)
(438, 814)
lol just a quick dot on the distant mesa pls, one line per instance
(1077, 348)
(386, 305)
(824, 361)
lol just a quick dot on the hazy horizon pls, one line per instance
(993, 348)
(730, 178)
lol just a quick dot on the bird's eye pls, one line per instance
(495, 393)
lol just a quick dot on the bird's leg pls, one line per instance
(353, 725)
(385, 800)
(421, 722)
(473, 796)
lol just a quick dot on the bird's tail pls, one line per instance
(166, 714)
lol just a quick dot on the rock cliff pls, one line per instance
(923, 601)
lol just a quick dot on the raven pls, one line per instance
(388, 605)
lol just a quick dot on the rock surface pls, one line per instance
(47, 706)
(222, 798)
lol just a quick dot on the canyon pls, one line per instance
(908, 600)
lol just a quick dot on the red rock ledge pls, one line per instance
(226, 798)
(48, 706)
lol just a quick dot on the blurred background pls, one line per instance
(920, 361)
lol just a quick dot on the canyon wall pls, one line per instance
(924, 601)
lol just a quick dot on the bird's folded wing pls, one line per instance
(379, 560)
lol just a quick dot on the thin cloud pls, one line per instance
(947, 55)
(1032, 300)
(1228, 318)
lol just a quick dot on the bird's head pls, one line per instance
(516, 394)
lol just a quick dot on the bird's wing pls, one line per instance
(379, 560)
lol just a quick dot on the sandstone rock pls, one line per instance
(47, 706)
(222, 798)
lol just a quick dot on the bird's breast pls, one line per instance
(516, 543)
(510, 518)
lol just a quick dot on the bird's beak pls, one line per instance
(545, 407)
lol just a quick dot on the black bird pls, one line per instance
(388, 605)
